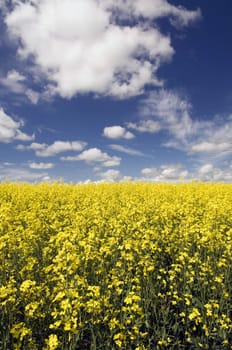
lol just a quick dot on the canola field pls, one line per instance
(129, 266)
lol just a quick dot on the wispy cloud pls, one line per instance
(127, 150)
(150, 126)
(16, 82)
(166, 110)
(170, 111)
(211, 147)
(152, 10)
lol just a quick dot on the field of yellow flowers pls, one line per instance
(129, 266)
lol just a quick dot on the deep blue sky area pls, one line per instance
(110, 91)
(202, 56)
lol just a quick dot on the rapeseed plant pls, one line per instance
(129, 266)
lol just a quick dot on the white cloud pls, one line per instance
(165, 173)
(211, 147)
(19, 174)
(41, 165)
(165, 110)
(95, 155)
(7, 163)
(172, 113)
(127, 150)
(165, 104)
(205, 169)
(177, 172)
(208, 172)
(13, 77)
(33, 146)
(117, 132)
(153, 10)
(16, 82)
(2, 5)
(46, 178)
(44, 150)
(113, 161)
(10, 129)
(32, 95)
(145, 126)
(89, 48)
(110, 175)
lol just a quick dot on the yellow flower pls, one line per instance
(195, 315)
(52, 342)
(115, 258)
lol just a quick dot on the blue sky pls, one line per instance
(110, 90)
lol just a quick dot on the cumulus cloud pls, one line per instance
(177, 172)
(90, 49)
(95, 155)
(20, 174)
(16, 82)
(45, 150)
(10, 129)
(127, 150)
(117, 132)
(41, 165)
(209, 172)
(165, 173)
(110, 175)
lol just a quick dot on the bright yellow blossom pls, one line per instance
(120, 266)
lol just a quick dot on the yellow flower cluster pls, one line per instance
(115, 266)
